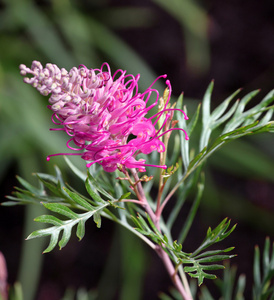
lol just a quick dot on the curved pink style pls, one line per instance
(104, 114)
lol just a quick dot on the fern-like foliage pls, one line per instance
(201, 262)
(65, 226)
(227, 124)
(263, 281)
(66, 203)
(230, 286)
(263, 272)
(236, 123)
(71, 209)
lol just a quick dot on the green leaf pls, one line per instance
(228, 286)
(124, 196)
(213, 252)
(232, 119)
(237, 118)
(219, 110)
(200, 275)
(196, 160)
(45, 232)
(213, 258)
(225, 117)
(54, 187)
(65, 237)
(75, 170)
(200, 262)
(15, 292)
(205, 295)
(206, 103)
(80, 232)
(92, 191)
(263, 282)
(192, 213)
(77, 198)
(145, 229)
(224, 139)
(164, 297)
(194, 120)
(61, 209)
(49, 219)
(205, 261)
(199, 266)
(214, 120)
(66, 225)
(28, 186)
(97, 219)
(240, 288)
(93, 188)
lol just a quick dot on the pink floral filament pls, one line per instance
(104, 114)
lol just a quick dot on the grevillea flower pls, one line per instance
(104, 114)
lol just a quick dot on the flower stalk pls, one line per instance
(183, 289)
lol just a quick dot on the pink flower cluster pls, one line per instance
(103, 114)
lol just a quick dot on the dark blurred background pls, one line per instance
(193, 42)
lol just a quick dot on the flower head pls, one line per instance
(104, 114)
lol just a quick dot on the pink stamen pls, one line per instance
(72, 148)
(57, 154)
(104, 114)
(186, 135)
(161, 76)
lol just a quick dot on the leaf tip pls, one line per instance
(28, 237)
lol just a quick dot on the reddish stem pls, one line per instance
(160, 251)
(173, 274)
